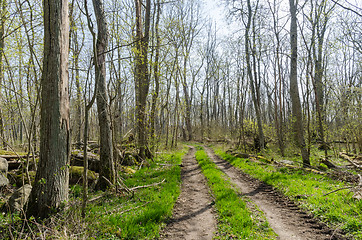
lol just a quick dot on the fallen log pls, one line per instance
(240, 155)
(264, 159)
(328, 163)
(10, 157)
(314, 171)
(93, 161)
(218, 140)
(345, 157)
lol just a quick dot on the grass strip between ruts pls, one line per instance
(339, 209)
(235, 220)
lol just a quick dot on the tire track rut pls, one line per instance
(287, 220)
(193, 216)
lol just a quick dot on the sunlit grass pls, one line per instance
(338, 209)
(113, 216)
(235, 220)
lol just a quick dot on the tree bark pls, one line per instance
(75, 48)
(320, 26)
(294, 90)
(278, 110)
(142, 74)
(106, 147)
(2, 45)
(252, 80)
(156, 75)
(187, 101)
(50, 190)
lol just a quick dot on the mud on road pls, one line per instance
(287, 220)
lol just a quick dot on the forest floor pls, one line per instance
(193, 214)
(198, 192)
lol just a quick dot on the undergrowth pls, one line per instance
(235, 221)
(109, 215)
(338, 209)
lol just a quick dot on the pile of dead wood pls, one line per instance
(126, 153)
(354, 160)
(220, 140)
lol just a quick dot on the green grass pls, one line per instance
(235, 220)
(338, 209)
(140, 216)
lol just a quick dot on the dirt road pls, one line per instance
(194, 216)
(285, 218)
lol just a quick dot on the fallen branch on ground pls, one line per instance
(357, 190)
(146, 186)
(109, 182)
(128, 210)
(345, 157)
(328, 163)
(96, 198)
(9, 157)
(122, 185)
(339, 189)
(168, 164)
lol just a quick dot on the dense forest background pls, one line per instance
(201, 85)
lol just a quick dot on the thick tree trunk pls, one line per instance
(294, 90)
(50, 190)
(106, 147)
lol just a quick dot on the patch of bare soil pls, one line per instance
(287, 220)
(193, 217)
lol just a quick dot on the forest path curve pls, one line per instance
(193, 215)
(287, 220)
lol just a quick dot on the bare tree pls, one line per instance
(156, 73)
(253, 77)
(50, 190)
(107, 171)
(142, 79)
(2, 45)
(294, 89)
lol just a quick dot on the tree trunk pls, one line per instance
(85, 151)
(50, 190)
(294, 90)
(252, 80)
(75, 48)
(2, 45)
(188, 103)
(106, 147)
(141, 74)
(321, 27)
(157, 77)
